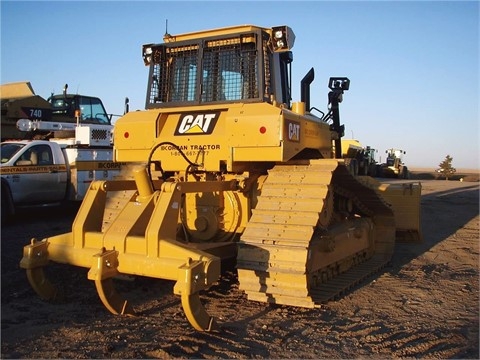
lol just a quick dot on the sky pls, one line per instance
(413, 65)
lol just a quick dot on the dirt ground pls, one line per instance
(425, 304)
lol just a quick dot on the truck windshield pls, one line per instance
(93, 111)
(8, 150)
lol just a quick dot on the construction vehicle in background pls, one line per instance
(362, 159)
(55, 147)
(368, 162)
(393, 165)
(223, 165)
(62, 112)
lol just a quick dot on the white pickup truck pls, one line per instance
(44, 172)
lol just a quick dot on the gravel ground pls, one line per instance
(425, 304)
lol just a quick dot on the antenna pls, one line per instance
(167, 36)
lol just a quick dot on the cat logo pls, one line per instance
(197, 123)
(293, 131)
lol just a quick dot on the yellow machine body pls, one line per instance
(243, 132)
(18, 101)
(221, 165)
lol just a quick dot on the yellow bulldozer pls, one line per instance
(223, 165)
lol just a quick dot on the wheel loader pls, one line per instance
(223, 165)
(394, 165)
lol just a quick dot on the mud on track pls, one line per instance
(424, 304)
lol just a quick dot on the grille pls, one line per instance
(228, 72)
(98, 134)
(174, 74)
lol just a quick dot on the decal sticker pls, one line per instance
(293, 130)
(36, 113)
(190, 150)
(96, 165)
(79, 165)
(32, 169)
(197, 123)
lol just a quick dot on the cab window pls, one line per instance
(63, 106)
(92, 111)
(36, 155)
(8, 150)
(45, 156)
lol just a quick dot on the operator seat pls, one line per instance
(34, 158)
(45, 158)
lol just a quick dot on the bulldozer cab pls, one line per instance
(227, 65)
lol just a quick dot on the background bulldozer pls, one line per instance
(223, 165)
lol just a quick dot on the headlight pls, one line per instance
(278, 34)
(283, 38)
(25, 125)
(147, 54)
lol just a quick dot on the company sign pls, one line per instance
(200, 123)
(292, 129)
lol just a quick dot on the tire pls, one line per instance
(372, 170)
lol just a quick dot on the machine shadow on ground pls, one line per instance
(458, 206)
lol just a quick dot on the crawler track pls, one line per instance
(300, 248)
